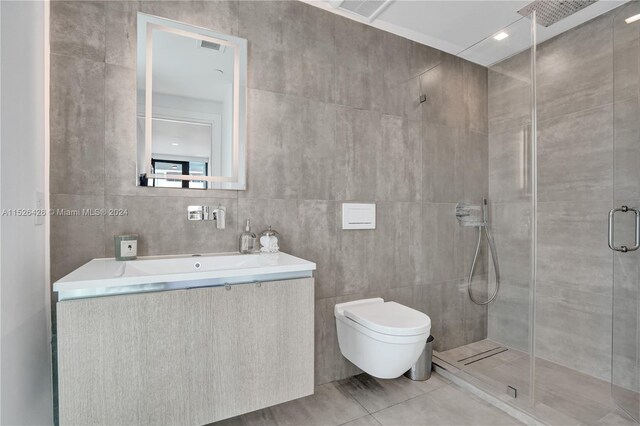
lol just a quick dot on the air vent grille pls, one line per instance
(211, 45)
(548, 12)
(368, 9)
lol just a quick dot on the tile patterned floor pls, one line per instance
(363, 400)
(563, 396)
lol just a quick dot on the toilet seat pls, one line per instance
(389, 318)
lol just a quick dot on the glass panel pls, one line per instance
(197, 169)
(501, 363)
(587, 112)
(625, 374)
(167, 169)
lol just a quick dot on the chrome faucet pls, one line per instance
(218, 214)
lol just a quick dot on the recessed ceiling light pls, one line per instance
(633, 18)
(501, 36)
(175, 143)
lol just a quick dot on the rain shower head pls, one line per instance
(548, 12)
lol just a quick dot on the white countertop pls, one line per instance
(110, 273)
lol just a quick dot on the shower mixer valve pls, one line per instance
(477, 217)
(469, 215)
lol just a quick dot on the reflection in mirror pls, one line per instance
(193, 82)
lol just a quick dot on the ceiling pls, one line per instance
(460, 26)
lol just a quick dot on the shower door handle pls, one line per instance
(624, 209)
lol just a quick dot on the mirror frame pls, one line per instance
(237, 181)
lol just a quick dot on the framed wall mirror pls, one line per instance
(191, 106)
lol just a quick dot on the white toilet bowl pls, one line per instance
(383, 339)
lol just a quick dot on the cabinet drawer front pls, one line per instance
(262, 338)
(119, 359)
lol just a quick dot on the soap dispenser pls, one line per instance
(247, 240)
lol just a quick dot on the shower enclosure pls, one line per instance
(563, 333)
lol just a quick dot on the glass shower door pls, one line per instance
(624, 221)
(502, 362)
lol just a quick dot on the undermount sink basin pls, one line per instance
(108, 276)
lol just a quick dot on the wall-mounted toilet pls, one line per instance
(383, 339)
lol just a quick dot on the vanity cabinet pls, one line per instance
(190, 356)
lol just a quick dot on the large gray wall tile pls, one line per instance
(509, 93)
(422, 58)
(87, 21)
(358, 133)
(567, 319)
(293, 157)
(476, 93)
(317, 149)
(575, 154)
(358, 88)
(511, 229)
(440, 235)
(508, 318)
(626, 45)
(220, 16)
(353, 259)
(475, 316)
(442, 179)
(317, 47)
(75, 238)
(398, 160)
(474, 166)
(120, 141)
(121, 21)
(572, 245)
(509, 166)
(574, 70)
(315, 240)
(398, 230)
(77, 126)
(626, 148)
(291, 48)
(444, 88)
(273, 161)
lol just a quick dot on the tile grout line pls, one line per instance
(413, 397)
(353, 398)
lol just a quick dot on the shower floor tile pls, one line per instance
(562, 395)
(365, 400)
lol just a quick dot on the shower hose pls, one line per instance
(492, 249)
